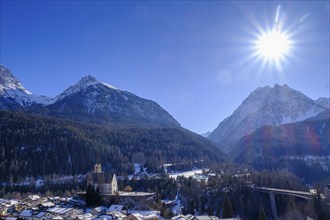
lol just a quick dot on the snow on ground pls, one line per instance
(137, 168)
(122, 193)
(186, 174)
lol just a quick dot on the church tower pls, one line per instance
(97, 168)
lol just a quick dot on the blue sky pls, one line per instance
(195, 58)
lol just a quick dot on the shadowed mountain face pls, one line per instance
(265, 106)
(288, 146)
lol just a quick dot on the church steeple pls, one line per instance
(97, 168)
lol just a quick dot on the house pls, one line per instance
(43, 216)
(145, 215)
(33, 200)
(86, 216)
(104, 217)
(46, 205)
(26, 214)
(64, 213)
(116, 215)
(106, 182)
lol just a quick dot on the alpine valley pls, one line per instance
(277, 140)
(274, 128)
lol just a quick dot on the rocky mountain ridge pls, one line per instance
(88, 100)
(265, 106)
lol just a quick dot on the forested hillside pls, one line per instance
(32, 145)
(302, 148)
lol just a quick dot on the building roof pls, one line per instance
(115, 208)
(104, 217)
(26, 213)
(34, 197)
(58, 210)
(116, 214)
(40, 214)
(86, 216)
(48, 204)
(183, 217)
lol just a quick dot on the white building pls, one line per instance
(106, 183)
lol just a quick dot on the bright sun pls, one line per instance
(273, 45)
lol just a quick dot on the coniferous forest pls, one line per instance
(37, 146)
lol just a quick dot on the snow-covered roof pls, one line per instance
(145, 213)
(34, 197)
(115, 208)
(203, 217)
(87, 216)
(58, 210)
(48, 204)
(40, 214)
(183, 217)
(104, 217)
(8, 203)
(116, 214)
(26, 213)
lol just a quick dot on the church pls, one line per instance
(106, 182)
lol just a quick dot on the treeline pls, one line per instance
(32, 145)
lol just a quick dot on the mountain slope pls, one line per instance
(94, 101)
(88, 100)
(37, 146)
(287, 147)
(325, 102)
(13, 95)
(265, 106)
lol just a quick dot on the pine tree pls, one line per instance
(227, 209)
(89, 195)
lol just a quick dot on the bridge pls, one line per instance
(301, 194)
(273, 191)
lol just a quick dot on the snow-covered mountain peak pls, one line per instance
(83, 84)
(12, 90)
(9, 82)
(267, 105)
(322, 101)
(88, 79)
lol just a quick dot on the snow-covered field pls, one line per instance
(186, 174)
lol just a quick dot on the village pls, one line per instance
(102, 199)
(131, 204)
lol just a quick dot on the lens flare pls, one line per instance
(273, 45)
